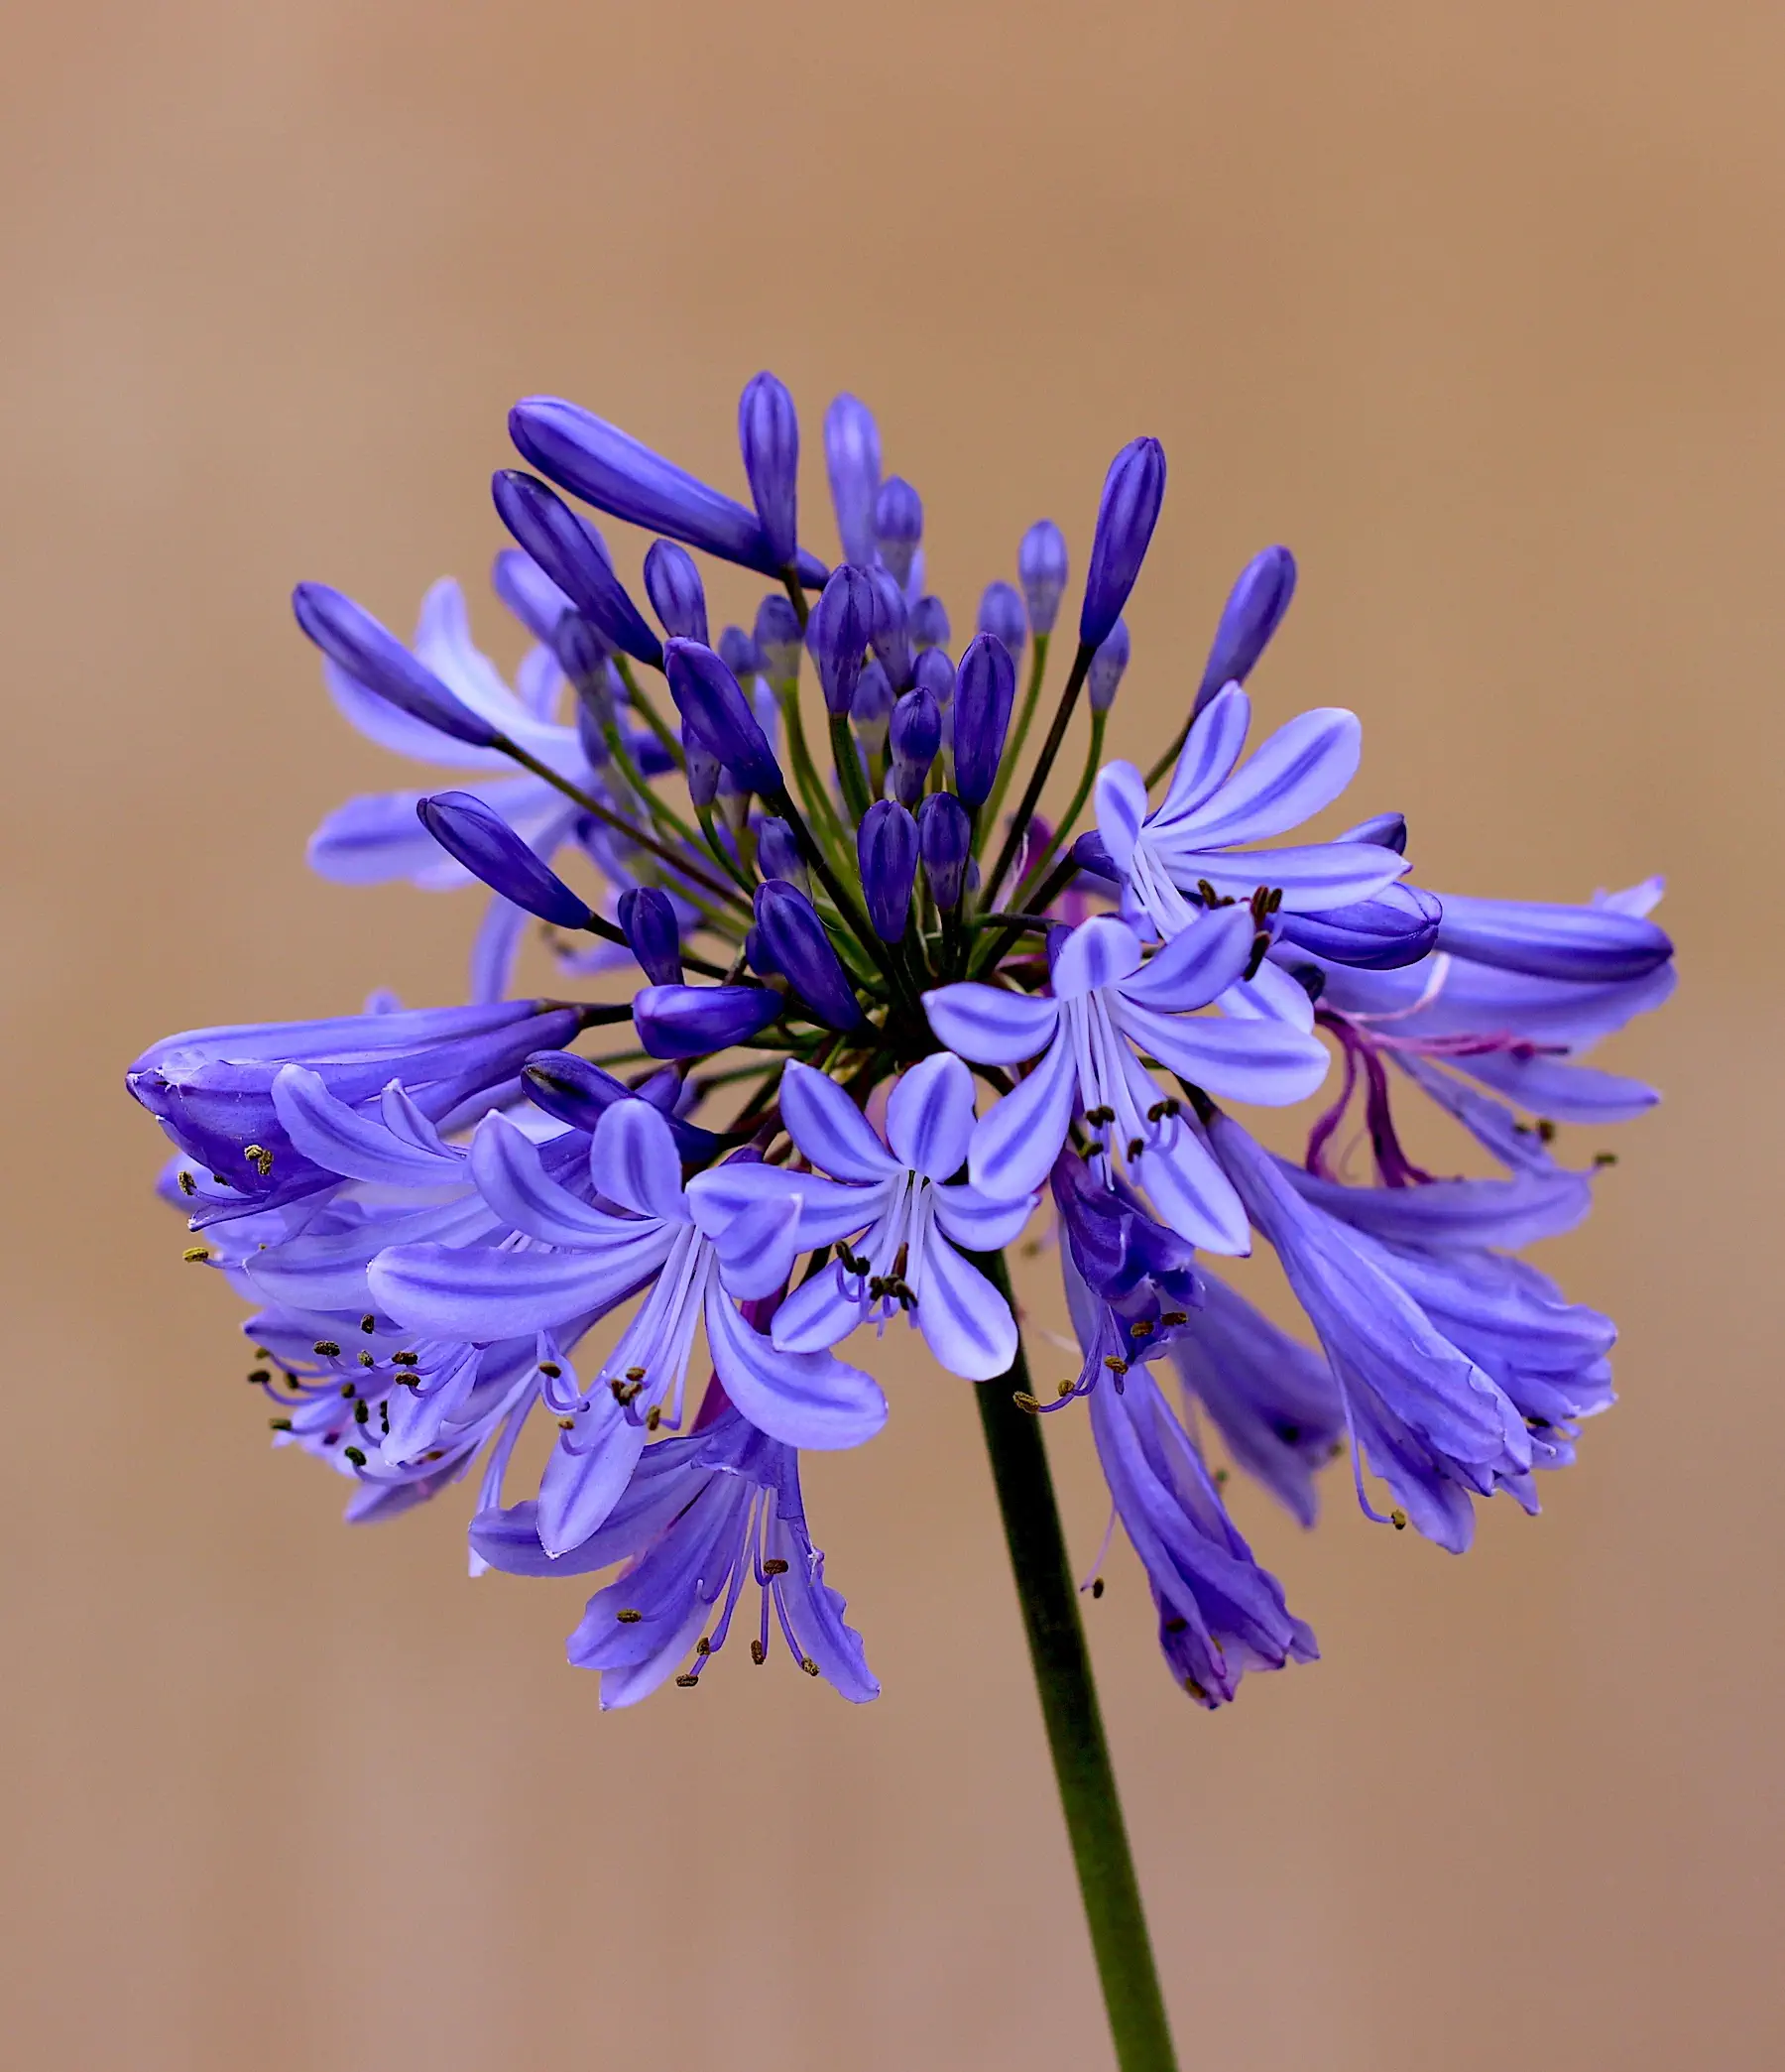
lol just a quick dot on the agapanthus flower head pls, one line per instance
(855, 1054)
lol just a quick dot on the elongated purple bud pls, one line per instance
(490, 849)
(934, 672)
(740, 654)
(1042, 568)
(777, 853)
(1133, 492)
(695, 1021)
(647, 920)
(703, 768)
(871, 709)
(929, 624)
(528, 592)
(677, 594)
(610, 469)
(378, 662)
(985, 689)
(842, 626)
(578, 1092)
(1252, 613)
(914, 737)
(707, 696)
(944, 841)
(768, 432)
(569, 551)
(1003, 615)
(852, 460)
(795, 940)
(891, 623)
(1387, 830)
(778, 639)
(886, 850)
(582, 650)
(898, 526)
(1108, 666)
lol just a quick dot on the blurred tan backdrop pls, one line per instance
(1478, 307)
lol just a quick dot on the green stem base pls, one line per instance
(1074, 1720)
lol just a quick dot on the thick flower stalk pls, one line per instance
(873, 1024)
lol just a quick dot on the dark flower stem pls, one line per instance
(1051, 747)
(1074, 1720)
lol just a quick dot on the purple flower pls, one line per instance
(871, 709)
(928, 625)
(1252, 613)
(1164, 856)
(677, 594)
(582, 1259)
(769, 434)
(800, 948)
(944, 842)
(702, 1517)
(695, 1021)
(1133, 492)
(898, 526)
(573, 555)
(1108, 1010)
(842, 626)
(887, 851)
(490, 849)
(1041, 566)
(915, 735)
(1004, 616)
(647, 917)
(985, 689)
(906, 1260)
(603, 465)
(379, 664)
(1108, 667)
(707, 696)
(851, 459)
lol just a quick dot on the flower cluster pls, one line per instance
(883, 1021)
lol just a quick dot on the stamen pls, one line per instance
(327, 1349)
(367, 1324)
(196, 1254)
(187, 1185)
(628, 1618)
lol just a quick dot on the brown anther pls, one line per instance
(349, 1391)
(436, 1453)
(187, 1185)
(653, 1417)
(280, 1423)
(365, 1360)
(405, 1359)
(1260, 945)
(687, 1681)
(327, 1349)
(1599, 1159)
(355, 1455)
(775, 1566)
(258, 1377)
(1546, 1130)
(628, 1618)
(1115, 1365)
(1398, 1519)
(1141, 1328)
(1277, 898)
(1171, 1318)
(1100, 1116)
(1195, 1689)
(549, 1368)
(703, 1646)
(1024, 1400)
(362, 1412)
(195, 1254)
(567, 1424)
(809, 1665)
(1065, 1390)
(1097, 1588)
(1162, 1111)
(757, 1653)
(634, 1374)
(1174, 1625)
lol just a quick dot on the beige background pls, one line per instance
(1479, 307)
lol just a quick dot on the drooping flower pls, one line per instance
(702, 1518)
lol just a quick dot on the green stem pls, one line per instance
(849, 768)
(648, 713)
(1074, 1721)
(1026, 718)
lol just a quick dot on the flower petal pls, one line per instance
(1197, 965)
(1590, 945)
(830, 1128)
(930, 1116)
(964, 1319)
(587, 1474)
(818, 1315)
(481, 1293)
(1270, 1063)
(756, 1252)
(1303, 767)
(1192, 1194)
(1210, 751)
(1559, 1091)
(1016, 1143)
(509, 1175)
(1120, 798)
(1098, 952)
(979, 1223)
(1312, 879)
(633, 1160)
(351, 1140)
(989, 1025)
(801, 1399)
(1269, 994)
